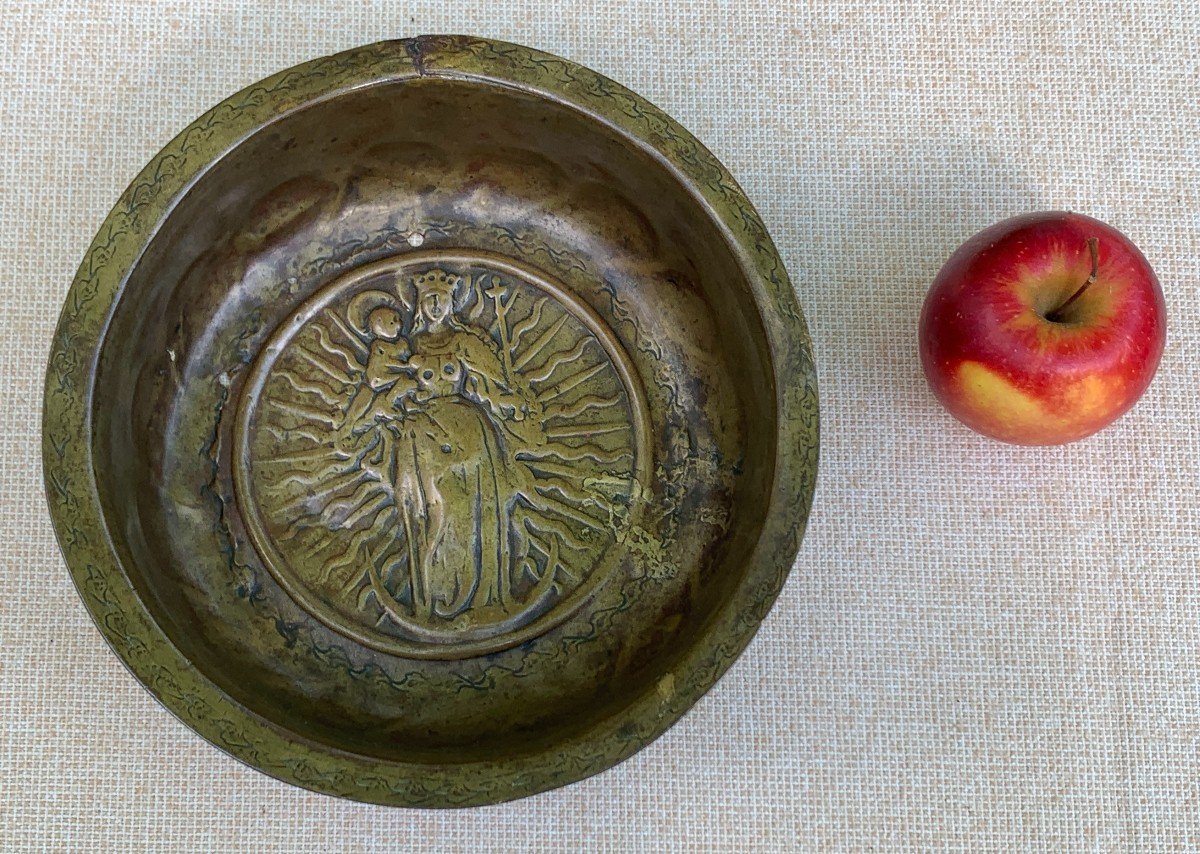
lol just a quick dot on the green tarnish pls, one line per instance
(431, 424)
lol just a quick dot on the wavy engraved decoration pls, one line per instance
(115, 606)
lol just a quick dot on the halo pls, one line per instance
(362, 304)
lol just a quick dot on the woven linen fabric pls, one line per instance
(981, 647)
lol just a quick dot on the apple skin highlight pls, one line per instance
(1000, 357)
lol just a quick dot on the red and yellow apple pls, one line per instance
(1043, 328)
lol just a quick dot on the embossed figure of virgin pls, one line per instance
(442, 445)
(431, 423)
(485, 449)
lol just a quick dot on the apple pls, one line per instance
(1043, 328)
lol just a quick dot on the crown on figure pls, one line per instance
(437, 281)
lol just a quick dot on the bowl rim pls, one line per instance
(78, 517)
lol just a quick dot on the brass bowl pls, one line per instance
(431, 424)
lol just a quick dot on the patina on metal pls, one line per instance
(431, 424)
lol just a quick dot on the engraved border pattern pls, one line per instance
(74, 504)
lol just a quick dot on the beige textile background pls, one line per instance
(981, 647)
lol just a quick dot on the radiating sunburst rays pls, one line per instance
(331, 506)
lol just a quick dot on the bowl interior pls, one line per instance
(377, 190)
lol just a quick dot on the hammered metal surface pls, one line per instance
(431, 424)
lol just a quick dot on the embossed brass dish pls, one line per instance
(431, 424)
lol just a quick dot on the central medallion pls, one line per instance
(436, 454)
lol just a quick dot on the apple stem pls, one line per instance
(1093, 243)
